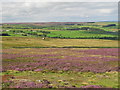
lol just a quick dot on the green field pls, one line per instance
(79, 31)
(83, 34)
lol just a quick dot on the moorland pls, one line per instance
(60, 55)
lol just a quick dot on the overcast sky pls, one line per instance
(58, 11)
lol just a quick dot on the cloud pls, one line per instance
(106, 11)
(58, 11)
(59, 1)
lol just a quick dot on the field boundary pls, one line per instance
(66, 47)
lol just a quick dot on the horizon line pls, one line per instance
(58, 22)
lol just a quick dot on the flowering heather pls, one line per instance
(24, 84)
(91, 86)
(57, 59)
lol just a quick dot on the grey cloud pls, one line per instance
(61, 11)
(60, 1)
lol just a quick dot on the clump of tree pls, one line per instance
(24, 34)
(4, 34)
(109, 25)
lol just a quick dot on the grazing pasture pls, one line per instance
(66, 31)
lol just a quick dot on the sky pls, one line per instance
(57, 11)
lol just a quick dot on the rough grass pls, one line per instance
(10, 42)
(106, 80)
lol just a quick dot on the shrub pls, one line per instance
(4, 34)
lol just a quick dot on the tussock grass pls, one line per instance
(10, 42)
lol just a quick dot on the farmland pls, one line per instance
(60, 55)
(67, 31)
